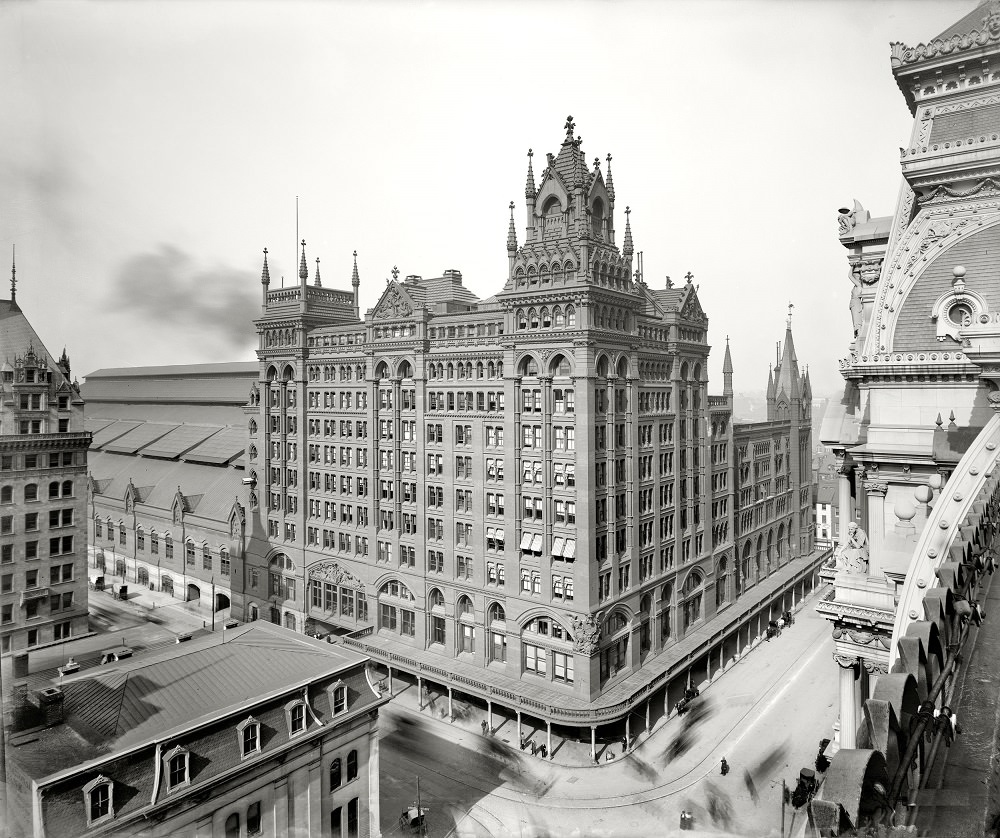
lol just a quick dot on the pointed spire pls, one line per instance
(609, 182)
(511, 233)
(265, 274)
(529, 185)
(770, 382)
(317, 281)
(356, 284)
(627, 245)
(303, 268)
(13, 275)
(727, 372)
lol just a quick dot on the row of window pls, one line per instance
(57, 489)
(55, 459)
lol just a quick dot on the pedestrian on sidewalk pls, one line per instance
(724, 767)
(543, 751)
(484, 726)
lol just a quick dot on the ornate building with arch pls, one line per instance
(916, 435)
(532, 495)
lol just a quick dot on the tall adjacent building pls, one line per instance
(916, 435)
(533, 492)
(43, 491)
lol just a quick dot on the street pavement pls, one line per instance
(768, 713)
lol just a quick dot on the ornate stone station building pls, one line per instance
(917, 437)
(529, 501)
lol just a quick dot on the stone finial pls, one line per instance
(303, 268)
(609, 182)
(355, 279)
(265, 274)
(511, 233)
(529, 184)
(395, 273)
(317, 282)
(569, 126)
(627, 249)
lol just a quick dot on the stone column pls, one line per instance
(593, 743)
(548, 737)
(876, 525)
(858, 511)
(848, 701)
(844, 510)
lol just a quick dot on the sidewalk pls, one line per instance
(733, 695)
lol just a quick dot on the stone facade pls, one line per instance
(536, 486)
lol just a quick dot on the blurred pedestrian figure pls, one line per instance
(533, 746)
(781, 624)
(543, 751)
(748, 780)
(724, 767)
(484, 726)
(624, 744)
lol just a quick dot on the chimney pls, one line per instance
(50, 702)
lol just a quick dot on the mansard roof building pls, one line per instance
(534, 492)
(916, 434)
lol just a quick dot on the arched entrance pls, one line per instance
(252, 612)
(289, 620)
(142, 576)
(221, 602)
(167, 585)
(120, 568)
(193, 593)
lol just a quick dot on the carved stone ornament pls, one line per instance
(852, 555)
(845, 662)
(393, 305)
(874, 667)
(861, 637)
(994, 399)
(586, 635)
(876, 487)
(332, 572)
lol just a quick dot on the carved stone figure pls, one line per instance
(857, 307)
(852, 555)
(586, 635)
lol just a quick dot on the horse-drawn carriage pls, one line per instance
(413, 818)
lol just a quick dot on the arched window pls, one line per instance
(561, 366)
(645, 614)
(529, 367)
(405, 369)
(546, 318)
(532, 318)
(435, 598)
(7, 493)
(666, 599)
(559, 319)
(692, 599)
(352, 766)
(497, 614)
(233, 826)
(597, 218)
(721, 581)
(335, 774)
(522, 321)
(465, 608)
(31, 492)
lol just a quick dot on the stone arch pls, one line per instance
(602, 366)
(404, 369)
(560, 365)
(621, 368)
(287, 373)
(381, 370)
(528, 366)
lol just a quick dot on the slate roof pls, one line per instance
(111, 432)
(180, 440)
(965, 24)
(16, 334)
(209, 490)
(112, 708)
(827, 494)
(139, 437)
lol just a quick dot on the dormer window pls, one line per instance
(248, 733)
(177, 768)
(295, 715)
(338, 697)
(98, 797)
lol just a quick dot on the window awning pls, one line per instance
(570, 552)
(526, 541)
(536, 544)
(557, 546)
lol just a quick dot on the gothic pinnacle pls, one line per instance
(511, 233)
(529, 186)
(627, 245)
(303, 268)
(355, 279)
(610, 184)
(318, 283)
(265, 274)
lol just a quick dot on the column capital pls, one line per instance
(876, 487)
(844, 469)
(845, 661)
(875, 667)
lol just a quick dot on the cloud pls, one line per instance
(166, 287)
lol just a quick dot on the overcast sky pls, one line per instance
(150, 151)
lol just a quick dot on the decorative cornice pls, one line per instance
(903, 55)
(862, 637)
(874, 667)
